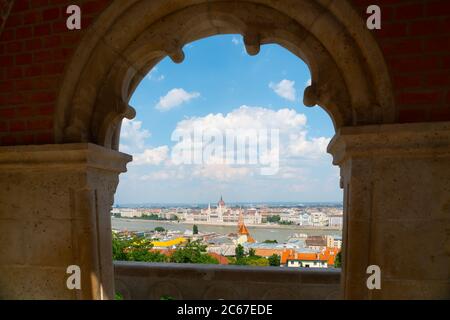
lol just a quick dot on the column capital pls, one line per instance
(410, 139)
(63, 156)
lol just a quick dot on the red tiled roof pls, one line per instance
(220, 258)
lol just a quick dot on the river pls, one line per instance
(258, 233)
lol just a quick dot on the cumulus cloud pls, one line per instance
(295, 149)
(221, 172)
(132, 136)
(154, 156)
(174, 98)
(288, 123)
(285, 89)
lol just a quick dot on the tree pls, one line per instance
(274, 260)
(252, 252)
(270, 241)
(338, 260)
(239, 252)
(195, 229)
(135, 249)
(192, 252)
(257, 261)
(275, 218)
(160, 229)
(118, 248)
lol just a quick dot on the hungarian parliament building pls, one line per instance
(223, 215)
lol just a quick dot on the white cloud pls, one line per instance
(174, 98)
(165, 174)
(295, 154)
(153, 156)
(155, 76)
(293, 135)
(223, 173)
(285, 89)
(132, 136)
(300, 146)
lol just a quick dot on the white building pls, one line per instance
(335, 221)
(127, 212)
(319, 219)
(223, 214)
(334, 241)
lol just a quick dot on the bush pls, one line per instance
(274, 260)
(192, 252)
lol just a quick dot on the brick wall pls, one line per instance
(35, 47)
(415, 40)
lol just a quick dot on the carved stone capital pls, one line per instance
(391, 140)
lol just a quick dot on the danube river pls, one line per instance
(281, 234)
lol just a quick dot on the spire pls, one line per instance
(242, 229)
(221, 202)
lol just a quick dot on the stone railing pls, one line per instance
(141, 280)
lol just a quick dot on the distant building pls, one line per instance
(334, 241)
(319, 219)
(309, 258)
(243, 233)
(335, 221)
(127, 212)
(316, 242)
(223, 214)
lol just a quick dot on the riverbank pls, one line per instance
(260, 233)
(264, 226)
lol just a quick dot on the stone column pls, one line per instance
(55, 203)
(396, 181)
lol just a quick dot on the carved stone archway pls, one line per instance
(349, 77)
(396, 177)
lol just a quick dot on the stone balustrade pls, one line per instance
(141, 280)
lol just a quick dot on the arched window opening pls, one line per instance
(229, 166)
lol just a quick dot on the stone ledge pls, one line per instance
(62, 156)
(411, 139)
(142, 280)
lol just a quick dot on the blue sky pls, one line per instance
(219, 85)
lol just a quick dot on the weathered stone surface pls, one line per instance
(138, 280)
(63, 220)
(396, 180)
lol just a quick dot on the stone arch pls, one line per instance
(349, 76)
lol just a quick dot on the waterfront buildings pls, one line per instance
(222, 214)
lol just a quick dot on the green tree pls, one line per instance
(239, 252)
(270, 241)
(118, 248)
(159, 229)
(257, 261)
(273, 219)
(195, 229)
(251, 252)
(192, 252)
(145, 255)
(338, 260)
(135, 249)
(274, 260)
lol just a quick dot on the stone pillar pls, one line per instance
(396, 181)
(55, 203)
